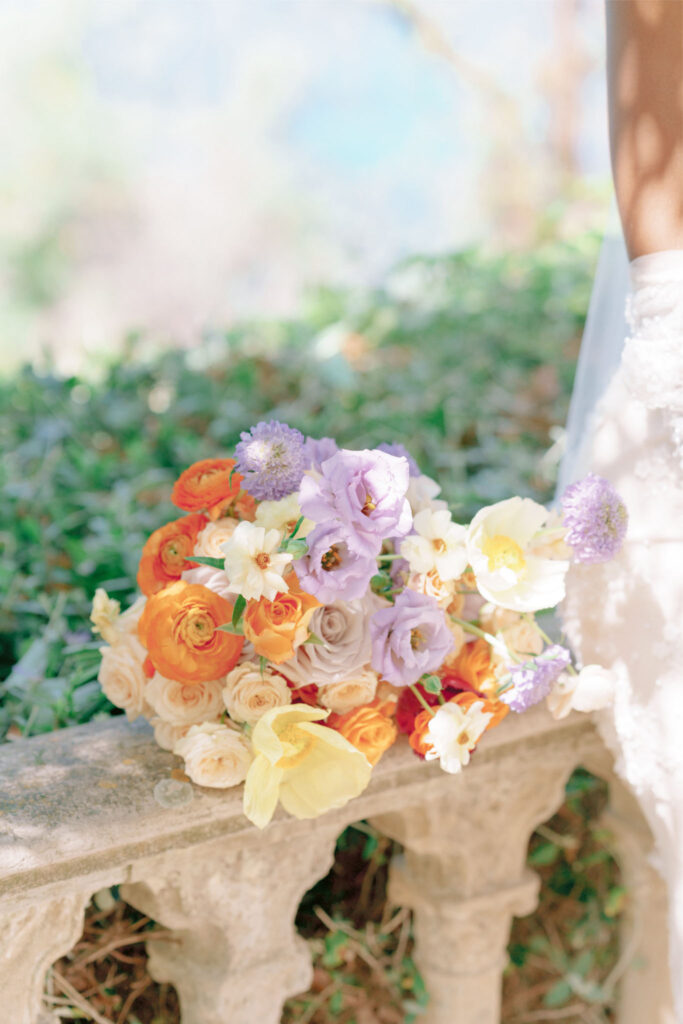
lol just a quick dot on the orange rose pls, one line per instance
(178, 628)
(418, 737)
(207, 485)
(276, 628)
(165, 555)
(472, 667)
(370, 728)
(497, 708)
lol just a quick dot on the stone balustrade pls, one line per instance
(78, 813)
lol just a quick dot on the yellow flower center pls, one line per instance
(262, 560)
(504, 553)
(296, 743)
(439, 545)
(195, 629)
(369, 505)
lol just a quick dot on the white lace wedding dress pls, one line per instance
(628, 614)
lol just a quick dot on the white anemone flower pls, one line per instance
(453, 733)
(501, 541)
(438, 545)
(253, 563)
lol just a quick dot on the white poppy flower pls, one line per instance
(500, 548)
(283, 515)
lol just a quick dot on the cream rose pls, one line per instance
(523, 638)
(431, 584)
(344, 628)
(122, 677)
(213, 535)
(349, 693)
(167, 735)
(494, 619)
(249, 693)
(215, 755)
(185, 703)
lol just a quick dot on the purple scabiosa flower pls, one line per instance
(317, 449)
(409, 638)
(271, 458)
(596, 519)
(401, 451)
(330, 571)
(364, 493)
(533, 680)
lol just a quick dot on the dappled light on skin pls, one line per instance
(646, 125)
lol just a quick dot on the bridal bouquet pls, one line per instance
(314, 602)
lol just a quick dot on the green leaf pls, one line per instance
(614, 904)
(228, 627)
(558, 994)
(313, 639)
(432, 684)
(262, 665)
(214, 563)
(546, 853)
(297, 548)
(238, 609)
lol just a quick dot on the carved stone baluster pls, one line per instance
(33, 936)
(235, 955)
(642, 974)
(464, 873)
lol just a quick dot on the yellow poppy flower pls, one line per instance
(310, 769)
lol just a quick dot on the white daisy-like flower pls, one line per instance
(438, 545)
(453, 733)
(253, 563)
(501, 547)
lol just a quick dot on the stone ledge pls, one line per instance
(78, 803)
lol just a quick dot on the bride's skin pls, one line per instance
(645, 84)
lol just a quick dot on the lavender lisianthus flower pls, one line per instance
(400, 451)
(271, 458)
(533, 680)
(317, 450)
(409, 638)
(365, 493)
(596, 519)
(330, 570)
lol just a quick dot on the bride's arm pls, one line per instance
(645, 82)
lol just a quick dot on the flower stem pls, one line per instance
(469, 627)
(421, 699)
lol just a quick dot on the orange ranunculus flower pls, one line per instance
(369, 728)
(276, 628)
(207, 485)
(418, 737)
(165, 555)
(244, 506)
(497, 708)
(178, 628)
(472, 667)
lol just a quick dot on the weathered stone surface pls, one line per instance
(78, 812)
(81, 801)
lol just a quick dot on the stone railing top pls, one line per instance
(80, 801)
